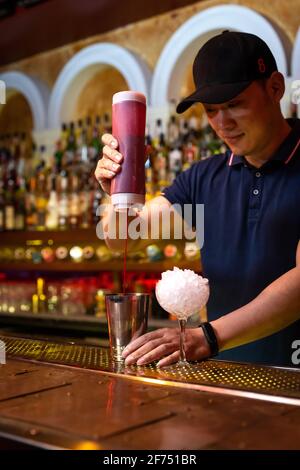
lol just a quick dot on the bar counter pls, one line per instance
(62, 395)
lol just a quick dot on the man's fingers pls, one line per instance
(110, 140)
(108, 164)
(156, 353)
(137, 343)
(166, 361)
(112, 154)
(103, 174)
(143, 352)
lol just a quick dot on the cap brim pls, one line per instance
(212, 94)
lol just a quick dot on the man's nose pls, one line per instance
(225, 120)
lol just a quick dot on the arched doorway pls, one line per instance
(20, 89)
(83, 67)
(179, 52)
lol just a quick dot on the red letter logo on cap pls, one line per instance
(261, 65)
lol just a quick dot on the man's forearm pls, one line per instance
(277, 306)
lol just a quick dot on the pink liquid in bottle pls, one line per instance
(128, 126)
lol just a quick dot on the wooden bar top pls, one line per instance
(61, 407)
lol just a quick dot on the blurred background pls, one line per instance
(60, 63)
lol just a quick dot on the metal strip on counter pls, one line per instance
(250, 380)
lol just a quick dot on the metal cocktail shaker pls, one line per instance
(127, 318)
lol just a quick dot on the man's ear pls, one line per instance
(276, 86)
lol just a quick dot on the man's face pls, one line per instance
(245, 122)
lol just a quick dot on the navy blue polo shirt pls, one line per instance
(251, 233)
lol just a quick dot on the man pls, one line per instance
(251, 195)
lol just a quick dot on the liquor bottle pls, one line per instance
(88, 128)
(151, 173)
(58, 156)
(53, 299)
(2, 207)
(193, 124)
(107, 127)
(10, 207)
(42, 157)
(63, 207)
(71, 146)
(157, 133)
(96, 203)
(173, 131)
(94, 146)
(42, 300)
(64, 135)
(41, 200)
(98, 125)
(30, 204)
(21, 164)
(161, 162)
(20, 215)
(52, 207)
(83, 150)
(175, 163)
(74, 202)
(190, 153)
(85, 203)
(78, 131)
(100, 309)
(184, 130)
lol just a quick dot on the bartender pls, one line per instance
(251, 196)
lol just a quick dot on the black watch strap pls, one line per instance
(210, 338)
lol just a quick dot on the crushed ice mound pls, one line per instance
(182, 292)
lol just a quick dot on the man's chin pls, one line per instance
(238, 149)
(236, 145)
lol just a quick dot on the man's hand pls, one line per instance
(165, 342)
(110, 163)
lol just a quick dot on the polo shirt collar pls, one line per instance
(285, 151)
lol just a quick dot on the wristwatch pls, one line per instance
(210, 337)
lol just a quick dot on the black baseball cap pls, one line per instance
(226, 65)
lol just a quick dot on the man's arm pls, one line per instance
(276, 307)
(113, 224)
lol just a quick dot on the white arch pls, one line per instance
(35, 92)
(78, 71)
(295, 67)
(182, 47)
